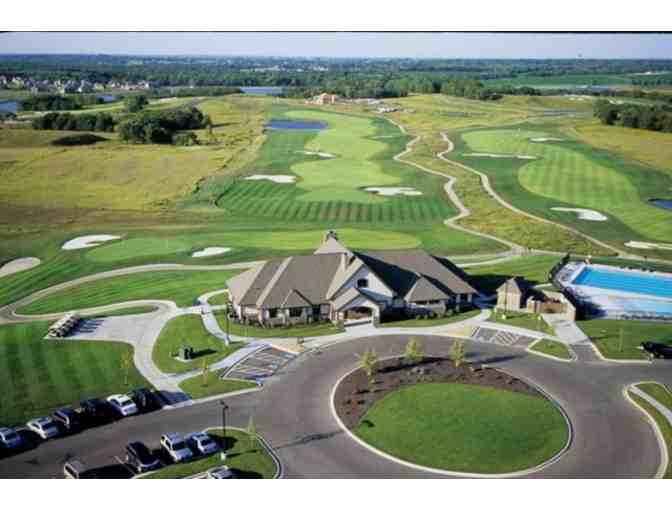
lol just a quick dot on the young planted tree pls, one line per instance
(457, 353)
(126, 360)
(414, 351)
(368, 364)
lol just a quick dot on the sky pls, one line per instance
(345, 44)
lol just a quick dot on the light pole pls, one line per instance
(226, 311)
(224, 408)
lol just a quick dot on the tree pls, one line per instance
(126, 360)
(135, 103)
(414, 351)
(252, 433)
(457, 353)
(367, 363)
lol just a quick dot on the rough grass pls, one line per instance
(214, 385)
(465, 428)
(552, 348)
(182, 287)
(605, 334)
(419, 323)
(37, 376)
(248, 459)
(122, 176)
(188, 330)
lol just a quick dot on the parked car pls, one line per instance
(9, 439)
(176, 447)
(75, 469)
(201, 443)
(123, 405)
(68, 419)
(146, 400)
(140, 458)
(657, 350)
(45, 427)
(95, 411)
(220, 473)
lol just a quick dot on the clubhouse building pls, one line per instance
(337, 284)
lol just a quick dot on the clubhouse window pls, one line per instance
(295, 312)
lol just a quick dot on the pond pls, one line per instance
(662, 202)
(9, 106)
(262, 91)
(295, 124)
(108, 98)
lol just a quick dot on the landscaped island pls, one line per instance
(468, 419)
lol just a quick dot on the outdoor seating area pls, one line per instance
(64, 325)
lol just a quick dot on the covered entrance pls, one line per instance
(358, 313)
(355, 307)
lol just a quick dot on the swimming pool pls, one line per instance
(634, 282)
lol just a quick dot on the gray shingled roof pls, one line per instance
(316, 279)
(348, 296)
(515, 284)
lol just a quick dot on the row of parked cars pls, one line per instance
(174, 449)
(91, 412)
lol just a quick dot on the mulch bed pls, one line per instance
(353, 398)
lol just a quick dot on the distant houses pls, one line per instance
(324, 98)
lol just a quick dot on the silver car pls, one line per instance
(202, 443)
(220, 473)
(46, 428)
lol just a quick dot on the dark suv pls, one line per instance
(68, 420)
(97, 412)
(657, 350)
(140, 458)
(146, 400)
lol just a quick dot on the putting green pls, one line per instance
(570, 173)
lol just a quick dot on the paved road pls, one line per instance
(612, 439)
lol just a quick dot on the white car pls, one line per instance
(176, 447)
(46, 428)
(202, 443)
(123, 405)
(9, 438)
(220, 473)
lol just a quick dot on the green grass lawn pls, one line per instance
(182, 287)
(552, 348)
(196, 388)
(418, 323)
(659, 392)
(572, 174)
(534, 268)
(38, 376)
(522, 320)
(661, 421)
(219, 299)
(606, 335)
(188, 329)
(132, 310)
(248, 460)
(307, 330)
(465, 428)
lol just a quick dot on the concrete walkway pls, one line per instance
(664, 410)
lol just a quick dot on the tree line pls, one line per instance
(164, 127)
(654, 118)
(75, 122)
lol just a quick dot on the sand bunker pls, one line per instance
(210, 251)
(17, 265)
(648, 246)
(315, 153)
(280, 179)
(488, 155)
(547, 139)
(390, 191)
(583, 214)
(79, 243)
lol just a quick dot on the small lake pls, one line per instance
(262, 91)
(108, 98)
(660, 202)
(295, 124)
(9, 106)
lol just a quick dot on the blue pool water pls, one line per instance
(295, 124)
(661, 202)
(634, 282)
